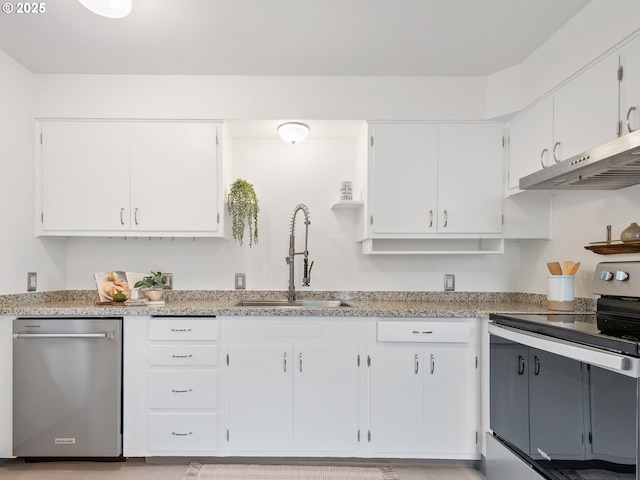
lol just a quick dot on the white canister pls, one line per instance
(560, 293)
(346, 190)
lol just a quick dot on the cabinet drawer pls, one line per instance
(183, 389)
(424, 332)
(183, 432)
(184, 354)
(183, 328)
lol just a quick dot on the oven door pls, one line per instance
(568, 411)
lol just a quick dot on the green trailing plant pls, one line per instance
(155, 281)
(242, 204)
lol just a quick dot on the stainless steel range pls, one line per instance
(565, 389)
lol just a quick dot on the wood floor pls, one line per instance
(138, 469)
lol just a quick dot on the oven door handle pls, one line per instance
(616, 362)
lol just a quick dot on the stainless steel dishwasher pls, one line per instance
(67, 393)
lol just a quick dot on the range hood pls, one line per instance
(611, 166)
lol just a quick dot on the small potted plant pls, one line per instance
(152, 286)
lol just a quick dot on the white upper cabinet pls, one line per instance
(129, 178)
(630, 87)
(403, 179)
(586, 110)
(434, 179)
(580, 115)
(531, 142)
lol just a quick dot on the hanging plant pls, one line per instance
(242, 204)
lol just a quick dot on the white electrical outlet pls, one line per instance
(449, 282)
(32, 281)
(241, 281)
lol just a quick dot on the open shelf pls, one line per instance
(614, 248)
(347, 204)
(455, 246)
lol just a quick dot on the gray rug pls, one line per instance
(197, 471)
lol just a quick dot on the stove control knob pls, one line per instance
(622, 276)
(606, 276)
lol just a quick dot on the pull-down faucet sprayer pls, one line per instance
(306, 278)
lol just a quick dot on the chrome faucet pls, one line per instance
(306, 278)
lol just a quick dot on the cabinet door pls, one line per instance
(451, 403)
(260, 397)
(509, 382)
(403, 179)
(586, 110)
(554, 383)
(630, 87)
(326, 398)
(174, 177)
(396, 400)
(470, 179)
(530, 142)
(85, 176)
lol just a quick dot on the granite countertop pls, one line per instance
(223, 303)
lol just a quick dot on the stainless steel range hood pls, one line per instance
(611, 166)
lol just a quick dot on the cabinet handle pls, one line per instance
(135, 216)
(122, 212)
(521, 365)
(555, 146)
(371, 220)
(180, 329)
(182, 356)
(182, 391)
(430, 218)
(433, 364)
(544, 150)
(537, 368)
(422, 332)
(631, 109)
(300, 359)
(417, 364)
(446, 218)
(285, 362)
(181, 434)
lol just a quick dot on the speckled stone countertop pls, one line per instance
(68, 303)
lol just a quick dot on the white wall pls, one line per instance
(283, 176)
(20, 252)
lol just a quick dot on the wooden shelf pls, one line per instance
(614, 248)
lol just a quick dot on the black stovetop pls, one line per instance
(579, 328)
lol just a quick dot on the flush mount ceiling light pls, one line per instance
(109, 8)
(293, 132)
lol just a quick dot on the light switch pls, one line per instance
(241, 281)
(449, 282)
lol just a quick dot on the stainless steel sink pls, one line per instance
(295, 303)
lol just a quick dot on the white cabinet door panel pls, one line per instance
(586, 110)
(326, 398)
(260, 415)
(174, 177)
(630, 87)
(85, 176)
(470, 179)
(404, 177)
(396, 400)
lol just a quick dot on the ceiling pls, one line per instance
(285, 37)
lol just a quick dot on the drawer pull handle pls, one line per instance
(182, 356)
(181, 391)
(422, 332)
(180, 329)
(181, 434)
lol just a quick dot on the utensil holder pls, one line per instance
(560, 293)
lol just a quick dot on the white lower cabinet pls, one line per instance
(171, 395)
(423, 388)
(293, 395)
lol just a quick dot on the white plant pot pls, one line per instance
(153, 295)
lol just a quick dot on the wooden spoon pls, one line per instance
(567, 267)
(555, 268)
(574, 268)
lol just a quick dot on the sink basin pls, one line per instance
(296, 303)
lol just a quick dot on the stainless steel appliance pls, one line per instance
(564, 389)
(611, 166)
(67, 387)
